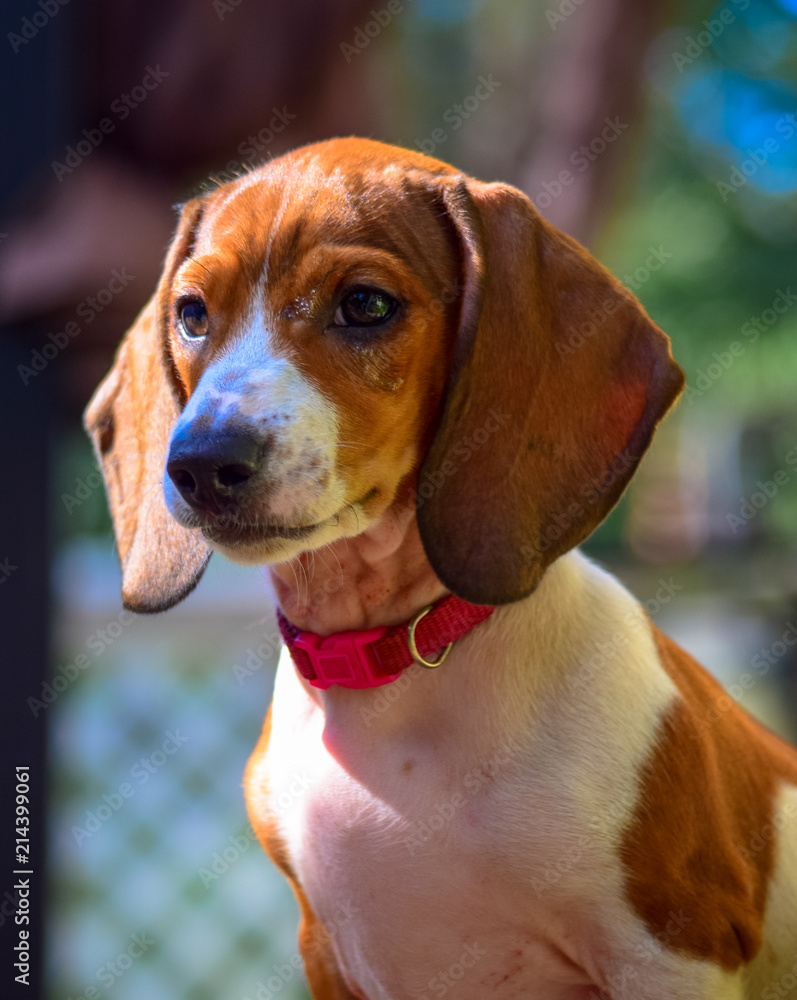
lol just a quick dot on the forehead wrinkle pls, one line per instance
(346, 206)
(304, 234)
(276, 223)
(298, 189)
(287, 234)
(237, 230)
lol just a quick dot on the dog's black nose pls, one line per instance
(211, 472)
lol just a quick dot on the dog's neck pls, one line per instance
(379, 577)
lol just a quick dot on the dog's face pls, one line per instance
(310, 325)
(353, 322)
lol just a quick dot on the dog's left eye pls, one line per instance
(193, 319)
(365, 307)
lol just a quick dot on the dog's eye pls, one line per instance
(193, 319)
(365, 307)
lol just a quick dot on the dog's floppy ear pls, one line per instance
(130, 420)
(558, 381)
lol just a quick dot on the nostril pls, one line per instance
(183, 480)
(234, 475)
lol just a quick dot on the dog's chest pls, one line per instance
(427, 873)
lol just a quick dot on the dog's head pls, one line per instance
(352, 324)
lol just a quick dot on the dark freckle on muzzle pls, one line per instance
(216, 472)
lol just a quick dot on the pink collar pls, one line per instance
(376, 656)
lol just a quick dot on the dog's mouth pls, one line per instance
(232, 533)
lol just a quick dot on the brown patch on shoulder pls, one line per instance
(707, 789)
(315, 942)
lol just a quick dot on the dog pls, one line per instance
(484, 769)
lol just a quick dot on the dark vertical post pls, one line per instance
(25, 419)
(30, 120)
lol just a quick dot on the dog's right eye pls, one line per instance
(193, 319)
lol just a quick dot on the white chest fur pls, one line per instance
(461, 827)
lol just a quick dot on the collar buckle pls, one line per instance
(346, 659)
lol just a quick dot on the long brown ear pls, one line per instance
(130, 420)
(558, 382)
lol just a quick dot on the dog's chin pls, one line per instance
(259, 548)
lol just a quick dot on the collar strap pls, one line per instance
(376, 656)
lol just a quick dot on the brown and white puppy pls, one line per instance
(390, 382)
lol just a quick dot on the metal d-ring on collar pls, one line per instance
(429, 664)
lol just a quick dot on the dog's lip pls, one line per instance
(247, 533)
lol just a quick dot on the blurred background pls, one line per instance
(663, 135)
